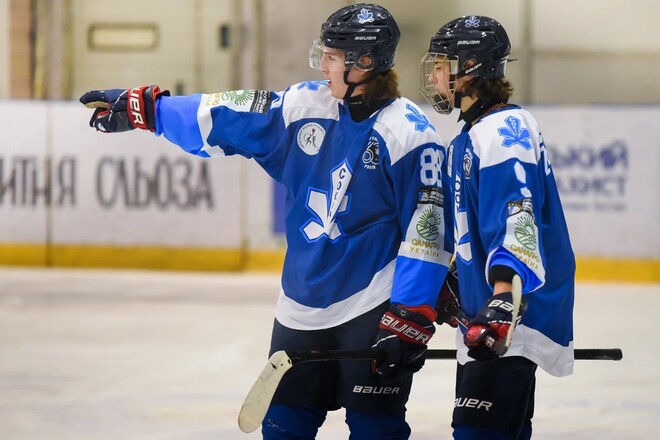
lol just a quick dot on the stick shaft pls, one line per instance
(258, 399)
(581, 354)
(602, 354)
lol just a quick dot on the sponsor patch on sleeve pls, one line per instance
(262, 101)
(425, 234)
(255, 101)
(522, 238)
(430, 195)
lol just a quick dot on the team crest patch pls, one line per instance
(467, 164)
(472, 22)
(370, 157)
(515, 133)
(310, 138)
(418, 118)
(365, 16)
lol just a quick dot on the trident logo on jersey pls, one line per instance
(326, 209)
(515, 133)
(416, 117)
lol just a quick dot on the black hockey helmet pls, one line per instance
(475, 46)
(363, 29)
(476, 38)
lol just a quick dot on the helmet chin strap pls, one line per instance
(352, 86)
(477, 108)
(458, 96)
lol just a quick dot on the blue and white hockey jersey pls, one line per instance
(507, 212)
(365, 217)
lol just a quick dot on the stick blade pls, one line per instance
(258, 399)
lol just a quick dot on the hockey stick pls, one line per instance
(516, 292)
(579, 354)
(258, 399)
(260, 395)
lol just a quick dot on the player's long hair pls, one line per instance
(384, 86)
(493, 90)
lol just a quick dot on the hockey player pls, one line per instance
(365, 221)
(508, 221)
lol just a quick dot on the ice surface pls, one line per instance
(136, 355)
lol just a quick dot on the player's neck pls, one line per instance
(360, 110)
(473, 108)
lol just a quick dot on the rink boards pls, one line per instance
(71, 197)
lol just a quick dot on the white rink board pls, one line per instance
(607, 161)
(23, 147)
(121, 189)
(136, 189)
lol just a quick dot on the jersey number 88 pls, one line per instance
(431, 164)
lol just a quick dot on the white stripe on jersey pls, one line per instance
(531, 344)
(297, 316)
(391, 123)
(205, 121)
(308, 104)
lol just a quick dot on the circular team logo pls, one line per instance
(467, 164)
(370, 155)
(310, 138)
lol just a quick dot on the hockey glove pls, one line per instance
(118, 110)
(487, 333)
(448, 301)
(403, 336)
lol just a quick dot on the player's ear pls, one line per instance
(468, 63)
(465, 82)
(365, 62)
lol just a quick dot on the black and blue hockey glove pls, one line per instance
(403, 336)
(487, 333)
(118, 110)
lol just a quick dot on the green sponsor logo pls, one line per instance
(242, 97)
(238, 97)
(524, 232)
(428, 225)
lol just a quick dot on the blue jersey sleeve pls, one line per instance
(509, 223)
(511, 197)
(244, 122)
(426, 226)
(176, 119)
